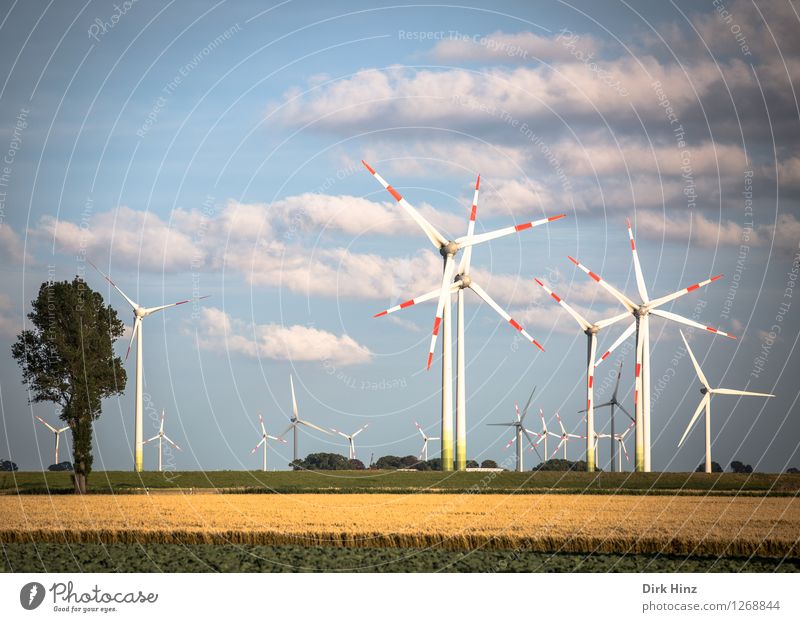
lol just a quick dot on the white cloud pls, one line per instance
(217, 331)
(10, 325)
(12, 249)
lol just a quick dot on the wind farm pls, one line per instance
(530, 273)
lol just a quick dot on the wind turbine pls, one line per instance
(620, 438)
(591, 330)
(350, 442)
(297, 421)
(641, 312)
(448, 250)
(564, 438)
(56, 431)
(613, 403)
(519, 431)
(161, 438)
(264, 438)
(139, 313)
(705, 403)
(423, 455)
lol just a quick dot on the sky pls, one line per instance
(214, 148)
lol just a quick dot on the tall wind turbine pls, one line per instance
(350, 439)
(139, 313)
(161, 437)
(56, 431)
(423, 455)
(519, 431)
(297, 421)
(620, 438)
(448, 249)
(705, 403)
(563, 438)
(641, 312)
(614, 404)
(591, 330)
(263, 442)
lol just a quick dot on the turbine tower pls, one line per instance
(423, 455)
(641, 312)
(448, 250)
(263, 442)
(297, 421)
(350, 439)
(705, 403)
(161, 437)
(613, 403)
(56, 431)
(519, 431)
(591, 330)
(139, 313)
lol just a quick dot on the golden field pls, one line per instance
(729, 526)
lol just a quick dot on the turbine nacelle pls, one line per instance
(464, 280)
(449, 249)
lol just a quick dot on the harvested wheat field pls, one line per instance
(546, 523)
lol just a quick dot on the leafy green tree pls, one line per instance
(715, 467)
(488, 464)
(472, 464)
(740, 467)
(67, 357)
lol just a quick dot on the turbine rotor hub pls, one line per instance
(451, 248)
(139, 312)
(464, 280)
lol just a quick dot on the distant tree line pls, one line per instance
(337, 462)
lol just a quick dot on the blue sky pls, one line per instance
(216, 147)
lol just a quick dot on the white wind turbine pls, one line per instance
(263, 442)
(591, 330)
(423, 455)
(641, 312)
(620, 438)
(542, 436)
(448, 250)
(139, 313)
(161, 437)
(297, 421)
(564, 438)
(613, 403)
(705, 403)
(56, 431)
(519, 431)
(350, 439)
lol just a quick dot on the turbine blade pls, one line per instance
(260, 443)
(357, 432)
(582, 321)
(697, 369)
(114, 285)
(640, 285)
(151, 439)
(419, 427)
(700, 407)
(49, 427)
(294, 399)
(527, 405)
(467, 241)
(737, 392)
(171, 442)
(173, 304)
(444, 298)
(612, 320)
(60, 430)
(626, 333)
(563, 431)
(665, 299)
(316, 427)
(261, 421)
(682, 320)
(466, 258)
(488, 299)
(622, 408)
(411, 302)
(436, 238)
(627, 302)
(287, 430)
(136, 323)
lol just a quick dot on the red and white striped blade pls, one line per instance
(563, 431)
(511, 442)
(582, 321)
(682, 320)
(114, 285)
(444, 298)
(627, 302)
(625, 334)
(682, 292)
(488, 300)
(624, 449)
(466, 258)
(261, 421)
(173, 304)
(697, 369)
(500, 233)
(414, 301)
(516, 408)
(640, 284)
(436, 238)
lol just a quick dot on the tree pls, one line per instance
(715, 467)
(471, 464)
(7, 465)
(488, 464)
(67, 357)
(325, 462)
(740, 467)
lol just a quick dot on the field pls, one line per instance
(404, 482)
(685, 526)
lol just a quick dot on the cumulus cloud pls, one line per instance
(10, 325)
(12, 249)
(217, 331)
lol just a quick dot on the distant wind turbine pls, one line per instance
(350, 439)
(297, 421)
(161, 437)
(56, 431)
(263, 442)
